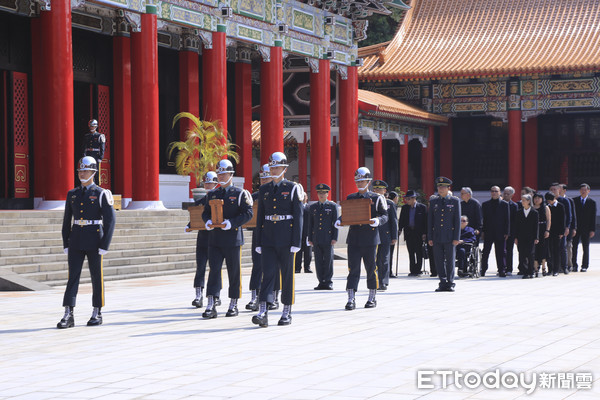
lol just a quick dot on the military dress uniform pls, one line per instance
(226, 244)
(201, 259)
(88, 225)
(94, 144)
(443, 227)
(321, 231)
(388, 231)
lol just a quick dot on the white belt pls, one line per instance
(278, 217)
(82, 222)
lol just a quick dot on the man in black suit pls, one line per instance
(413, 221)
(507, 195)
(471, 208)
(555, 189)
(526, 233)
(496, 228)
(572, 226)
(557, 233)
(388, 234)
(393, 196)
(585, 208)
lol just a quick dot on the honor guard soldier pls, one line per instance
(363, 240)
(279, 225)
(88, 226)
(388, 235)
(256, 274)
(226, 243)
(210, 182)
(322, 235)
(443, 232)
(94, 144)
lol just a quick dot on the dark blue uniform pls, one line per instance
(443, 227)
(227, 244)
(321, 231)
(306, 250)
(279, 227)
(94, 145)
(91, 206)
(387, 232)
(201, 252)
(362, 243)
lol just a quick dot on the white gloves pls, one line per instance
(208, 225)
(294, 249)
(337, 224)
(374, 222)
(102, 252)
(258, 250)
(66, 250)
(227, 225)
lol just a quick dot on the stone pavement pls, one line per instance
(154, 345)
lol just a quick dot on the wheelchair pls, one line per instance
(473, 260)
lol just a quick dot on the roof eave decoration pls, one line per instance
(380, 106)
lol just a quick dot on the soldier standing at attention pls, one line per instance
(94, 144)
(226, 243)
(322, 235)
(88, 226)
(363, 240)
(279, 232)
(388, 234)
(210, 182)
(443, 232)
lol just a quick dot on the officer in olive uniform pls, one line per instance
(88, 226)
(322, 235)
(210, 182)
(279, 225)
(388, 234)
(443, 232)
(94, 144)
(363, 240)
(225, 243)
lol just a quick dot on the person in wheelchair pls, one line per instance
(466, 242)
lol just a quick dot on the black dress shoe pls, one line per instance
(450, 289)
(273, 306)
(555, 274)
(260, 320)
(350, 305)
(435, 275)
(482, 273)
(95, 321)
(439, 289)
(583, 269)
(232, 312)
(210, 314)
(574, 269)
(197, 303)
(527, 276)
(252, 305)
(382, 288)
(217, 301)
(287, 320)
(298, 271)
(371, 304)
(66, 322)
(319, 287)
(566, 271)
(308, 271)
(329, 287)
(502, 274)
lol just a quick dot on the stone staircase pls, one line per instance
(145, 243)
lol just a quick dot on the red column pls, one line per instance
(428, 164)
(446, 155)
(320, 127)
(348, 98)
(531, 152)
(271, 108)
(404, 165)
(243, 120)
(144, 65)
(378, 158)
(57, 96)
(189, 95)
(122, 115)
(214, 79)
(302, 157)
(515, 151)
(333, 193)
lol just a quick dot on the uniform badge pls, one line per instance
(232, 197)
(285, 193)
(93, 197)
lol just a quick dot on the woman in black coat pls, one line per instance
(526, 235)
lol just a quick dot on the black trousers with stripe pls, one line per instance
(76, 258)
(368, 255)
(232, 256)
(277, 263)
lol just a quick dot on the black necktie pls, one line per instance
(83, 190)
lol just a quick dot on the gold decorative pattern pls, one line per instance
(469, 90)
(584, 85)
(303, 20)
(571, 103)
(464, 107)
(252, 8)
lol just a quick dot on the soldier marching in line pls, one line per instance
(363, 240)
(388, 234)
(225, 243)
(88, 226)
(94, 144)
(279, 232)
(322, 235)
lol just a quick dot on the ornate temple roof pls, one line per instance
(475, 38)
(381, 106)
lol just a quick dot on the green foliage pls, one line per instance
(382, 28)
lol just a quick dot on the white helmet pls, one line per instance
(362, 174)
(278, 159)
(225, 166)
(211, 177)
(265, 172)
(87, 163)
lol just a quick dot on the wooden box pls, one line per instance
(356, 212)
(117, 198)
(252, 222)
(216, 213)
(196, 221)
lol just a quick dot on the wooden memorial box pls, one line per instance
(216, 213)
(196, 221)
(356, 212)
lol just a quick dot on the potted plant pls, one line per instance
(206, 143)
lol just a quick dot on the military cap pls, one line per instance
(379, 184)
(443, 181)
(322, 187)
(409, 194)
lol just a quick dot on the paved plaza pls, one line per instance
(154, 345)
